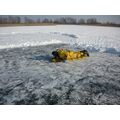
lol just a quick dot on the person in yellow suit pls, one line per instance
(64, 54)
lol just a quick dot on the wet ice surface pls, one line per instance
(27, 77)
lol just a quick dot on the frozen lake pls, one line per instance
(27, 76)
(93, 38)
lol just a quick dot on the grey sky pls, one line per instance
(101, 18)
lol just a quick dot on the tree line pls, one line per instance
(62, 20)
(10, 20)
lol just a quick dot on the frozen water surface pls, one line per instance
(27, 76)
(90, 37)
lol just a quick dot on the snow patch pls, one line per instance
(27, 44)
(92, 38)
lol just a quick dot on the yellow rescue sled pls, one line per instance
(61, 55)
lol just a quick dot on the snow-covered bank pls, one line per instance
(92, 38)
(27, 77)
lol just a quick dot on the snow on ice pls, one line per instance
(90, 37)
(27, 76)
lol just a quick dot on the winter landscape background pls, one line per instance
(28, 77)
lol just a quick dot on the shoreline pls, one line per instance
(24, 24)
(51, 24)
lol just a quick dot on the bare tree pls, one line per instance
(45, 20)
(28, 20)
(0, 20)
(81, 21)
(3, 20)
(38, 21)
(70, 20)
(18, 19)
(92, 21)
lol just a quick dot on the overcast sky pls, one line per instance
(101, 18)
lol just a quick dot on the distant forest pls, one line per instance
(62, 20)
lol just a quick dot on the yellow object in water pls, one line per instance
(64, 54)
